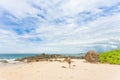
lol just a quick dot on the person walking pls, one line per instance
(69, 61)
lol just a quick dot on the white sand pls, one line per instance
(54, 71)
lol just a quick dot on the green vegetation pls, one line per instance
(112, 57)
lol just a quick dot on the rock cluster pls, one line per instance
(41, 57)
(44, 57)
(91, 56)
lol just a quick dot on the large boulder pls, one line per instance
(91, 56)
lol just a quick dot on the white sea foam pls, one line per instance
(12, 61)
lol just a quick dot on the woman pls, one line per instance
(69, 61)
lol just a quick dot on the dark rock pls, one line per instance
(74, 65)
(44, 57)
(20, 59)
(91, 56)
(63, 67)
(51, 60)
(4, 61)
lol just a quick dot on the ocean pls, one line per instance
(14, 56)
(11, 57)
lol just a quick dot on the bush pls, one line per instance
(112, 57)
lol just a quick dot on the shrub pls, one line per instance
(112, 57)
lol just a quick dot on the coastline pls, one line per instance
(17, 58)
(55, 71)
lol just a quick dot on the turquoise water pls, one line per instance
(14, 56)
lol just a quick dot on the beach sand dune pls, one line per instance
(60, 71)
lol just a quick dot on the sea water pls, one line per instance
(14, 56)
(11, 57)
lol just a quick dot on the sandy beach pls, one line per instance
(60, 71)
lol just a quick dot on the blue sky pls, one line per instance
(59, 26)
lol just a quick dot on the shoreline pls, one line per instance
(40, 57)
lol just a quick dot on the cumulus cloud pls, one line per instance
(67, 26)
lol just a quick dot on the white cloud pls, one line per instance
(60, 30)
(18, 8)
(90, 34)
(74, 7)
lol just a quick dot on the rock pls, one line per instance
(4, 61)
(74, 65)
(63, 67)
(91, 56)
(44, 57)
(21, 59)
(51, 60)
